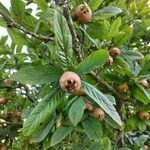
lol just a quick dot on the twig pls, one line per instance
(11, 23)
(105, 84)
(75, 39)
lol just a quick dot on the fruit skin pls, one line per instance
(144, 83)
(123, 88)
(3, 100)
(110, 60)
(18, 114)
(83, 13)
(3, 148)
(70, 82)
(144, 115)
(89, 106)
(8, 82)
(114, 52)
(99, 114)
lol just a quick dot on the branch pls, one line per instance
(75, 39)
(11, 23)
(105, 84)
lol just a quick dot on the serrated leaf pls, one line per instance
(18, 37)
(60, 134)
(107, 12)
(92, 128)
(18, 10)
(102, 101)
(63, 36)
(42, 111)
(76, 111)
(140, 94)
(94, 4)
(98, 30)
(93, 61)
(114, 29)
(42, 4)
(37, 74)
(41, 134)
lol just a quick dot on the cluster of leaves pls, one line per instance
(52, 118)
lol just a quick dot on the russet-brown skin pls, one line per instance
(89, 106)
(110, 60)
(123, 88)
(18, 114)
(3, 100)
(3, 148)
(70, 82)
(99, 114)
(8, 82)
(83, 13)
(114, 52)
(144, 83)
(80, 92)
(143, 115)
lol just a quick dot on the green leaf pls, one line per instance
(107, 12)
(76, 111)
(37, 74)
(42, 111)
(41, 134)
(123, 36)
(135, 55)
(94, 4)
(142, 125)
(98, 30)
(63, 36)
(60, 134)
(140, 94)
(18, 37)
(18, 10)
(93, 61)
(42, 4)
(4, 9)
(102, 101)
(106, 144)
(114, 29)
(92, 128)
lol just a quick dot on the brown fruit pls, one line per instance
(83, 13)
(145, 147)
(114, 52)
(18, 114)
(143, 115)
(144, 83)
(8, 82)
(3, 148)
(3, 100)
(99, 114)
(70, 82)
(89, 106)
(123, 88)
(110, 60)
(30, 141)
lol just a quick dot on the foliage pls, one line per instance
(38, 114)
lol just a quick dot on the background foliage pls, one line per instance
(38, 114)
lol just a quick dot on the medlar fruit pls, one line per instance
(144, 83)
(18, 114)
(3, 148)
(110, 60)
(8, 82)
(70, 82)
(123, 88)
(89, 106)
(99, 114)
(3, 100)
(80, 92)
(83, 13)
(114, 52)
(144, 115)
